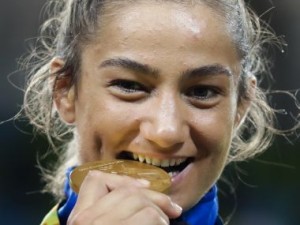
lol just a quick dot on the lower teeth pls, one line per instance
(173, 174)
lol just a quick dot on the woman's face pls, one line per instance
(159, 83)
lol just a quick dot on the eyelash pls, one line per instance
(128, 86)
(197, 94)
(204, 92)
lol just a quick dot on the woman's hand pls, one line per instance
(108, 199)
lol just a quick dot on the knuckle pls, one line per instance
(164, 200)
(139, 200)
(92, 176)
(127, 179)
(128, 190)
(152, 213)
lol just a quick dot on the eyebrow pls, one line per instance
(214, 69)
(131, 65)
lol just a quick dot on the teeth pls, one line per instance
(179, 161)
(172, 162)
(141, 158)
(158, 162)
(173, 174)
(148, 160)
(165, 163)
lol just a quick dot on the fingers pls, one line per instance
(98, 184)
(149, 217)
(128, 200)
(124, 203)
(164, 202)
(146, 216)
(120, 200)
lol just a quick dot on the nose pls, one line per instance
(165, 127)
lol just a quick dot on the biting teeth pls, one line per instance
(165, 163)
(172, 162)
(148, 160)
(179, 161)
(155, 162)
(141, 158)
(158, 162)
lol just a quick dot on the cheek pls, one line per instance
(104, 126)
(213, 133)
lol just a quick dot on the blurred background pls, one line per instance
(264, 191)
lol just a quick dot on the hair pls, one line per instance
(73, 23)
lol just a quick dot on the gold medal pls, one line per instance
(159, 179)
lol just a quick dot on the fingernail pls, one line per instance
(177, 207)
(143, 182)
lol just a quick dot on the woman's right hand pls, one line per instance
(109, 199)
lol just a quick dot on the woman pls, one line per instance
(168, 83)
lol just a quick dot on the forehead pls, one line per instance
(164, 29)
(186, 19)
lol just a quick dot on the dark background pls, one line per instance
(264, 191)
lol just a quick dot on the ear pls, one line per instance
(63, 92)
(245, 103)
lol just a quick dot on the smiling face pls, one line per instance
(160, 88)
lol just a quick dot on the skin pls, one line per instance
(180, 100)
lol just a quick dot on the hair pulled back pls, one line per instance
(73, 23)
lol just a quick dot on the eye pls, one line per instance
(128, 86)
(202, 92)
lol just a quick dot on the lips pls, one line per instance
(173, 166)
